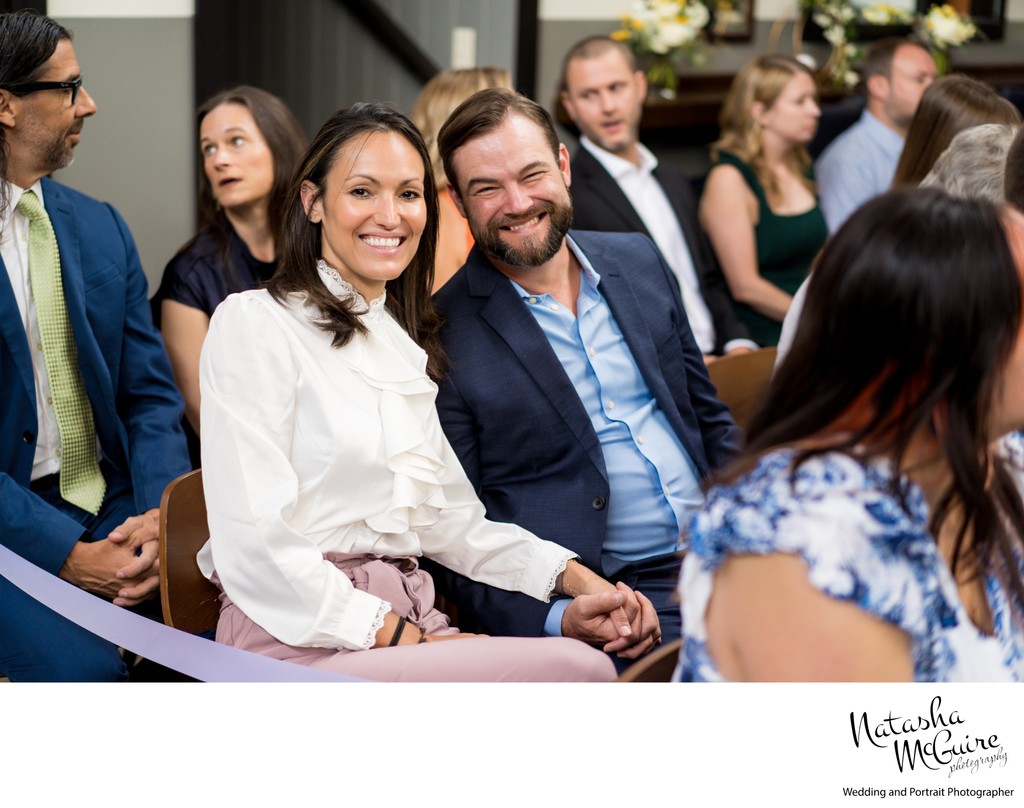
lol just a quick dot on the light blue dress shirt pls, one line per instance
(856, 166)
(653, 483)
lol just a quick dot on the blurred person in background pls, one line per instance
(759, 206)
(249, 143)
(436, 101)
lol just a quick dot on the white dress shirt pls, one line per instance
(14, 251)
(310, 449)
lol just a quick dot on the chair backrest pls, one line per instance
(657, 666)
(741, 380)
(189, 600)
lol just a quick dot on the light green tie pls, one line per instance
(81, 481)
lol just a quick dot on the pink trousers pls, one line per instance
(410, 591)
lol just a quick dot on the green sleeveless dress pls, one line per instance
(786, 246)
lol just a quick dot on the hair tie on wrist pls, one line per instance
(398, 631)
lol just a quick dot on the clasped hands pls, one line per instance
(620, 620)
(125, 566)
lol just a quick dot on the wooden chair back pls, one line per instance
(741, 380)
(190, 602)
(657, 666)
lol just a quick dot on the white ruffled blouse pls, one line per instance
(310, 449)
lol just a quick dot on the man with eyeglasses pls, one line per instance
(860, 163)
(89, 413)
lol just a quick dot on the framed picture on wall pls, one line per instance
(731, 20)
(988, 15)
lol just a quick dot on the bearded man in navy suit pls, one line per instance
(108, 547)
(577, 399)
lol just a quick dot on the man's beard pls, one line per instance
(58, 154)
(533, 251)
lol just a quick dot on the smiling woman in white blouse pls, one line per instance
(326, 471)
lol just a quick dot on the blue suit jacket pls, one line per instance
(598, 203)
(127, 375)
(520, 429)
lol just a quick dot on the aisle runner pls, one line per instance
(194, 656)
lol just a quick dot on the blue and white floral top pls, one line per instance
(860, 546)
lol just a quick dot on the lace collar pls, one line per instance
(342, 289)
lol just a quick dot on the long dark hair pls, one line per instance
(949, 105)
(912, 312)
(408, 295)
(286, 142)
(27, 41)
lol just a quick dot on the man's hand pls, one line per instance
(137, 530)
(125, 566)
(646, 631)
(601, 618)
(93, 566)
(141, 575)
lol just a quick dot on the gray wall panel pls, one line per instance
(137, 151)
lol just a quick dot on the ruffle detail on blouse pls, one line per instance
(388, 360)
(342, 289)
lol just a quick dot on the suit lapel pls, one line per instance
(13, 331)
(629, 314)
(595, 181)
(506, 314)
(627, 311)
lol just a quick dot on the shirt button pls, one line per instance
(592, 352)
(611, 404)
(553, 307)
(39, 346)
(640, 440)
(27, 436)
(533, 300)
(49, 400)
(56, 452)
(598, 503)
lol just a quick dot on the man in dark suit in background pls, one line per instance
(88, 407)
(577, 400)
(619, 186)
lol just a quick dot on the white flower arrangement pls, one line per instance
(885, 14)
(836, 18)
(943, 28)
(663, 27)
(940, 29)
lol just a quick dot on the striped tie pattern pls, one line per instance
(81, 481)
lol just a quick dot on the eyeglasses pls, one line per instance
(33, 86)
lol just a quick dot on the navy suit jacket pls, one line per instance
(136, 407)
(598, 203)
(520, 429)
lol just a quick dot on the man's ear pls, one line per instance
(564, 164)
(567, 105)
(641, 84)
(878, 87)
(457, 199)
(7, 104)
